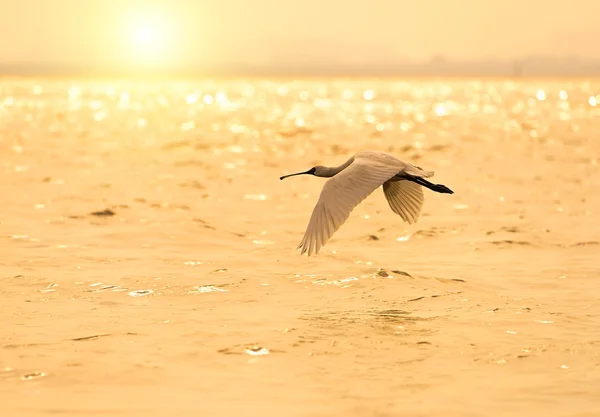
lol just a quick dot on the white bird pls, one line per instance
(353, 181)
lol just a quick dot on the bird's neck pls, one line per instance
(332, 171)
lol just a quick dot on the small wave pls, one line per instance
(588, 243)
(508, 242)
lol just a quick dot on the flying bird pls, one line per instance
(351, 182)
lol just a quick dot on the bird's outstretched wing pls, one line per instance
(405, 199)
(338, 198)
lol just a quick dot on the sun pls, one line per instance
(146, 37)
(151, 40)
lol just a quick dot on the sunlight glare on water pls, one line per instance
(147, 240)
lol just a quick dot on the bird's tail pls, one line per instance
(418, 171)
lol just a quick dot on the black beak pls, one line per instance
(309, 172)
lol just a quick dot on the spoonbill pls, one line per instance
(351, 182)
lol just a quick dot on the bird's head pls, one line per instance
(312, 171)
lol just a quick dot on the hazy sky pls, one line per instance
(266, 31)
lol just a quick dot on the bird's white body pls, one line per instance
(353, 181)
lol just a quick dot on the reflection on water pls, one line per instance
(156, 210)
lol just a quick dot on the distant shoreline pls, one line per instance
(291, 76)
(306, 67)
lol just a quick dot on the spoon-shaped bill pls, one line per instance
(310, 171)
